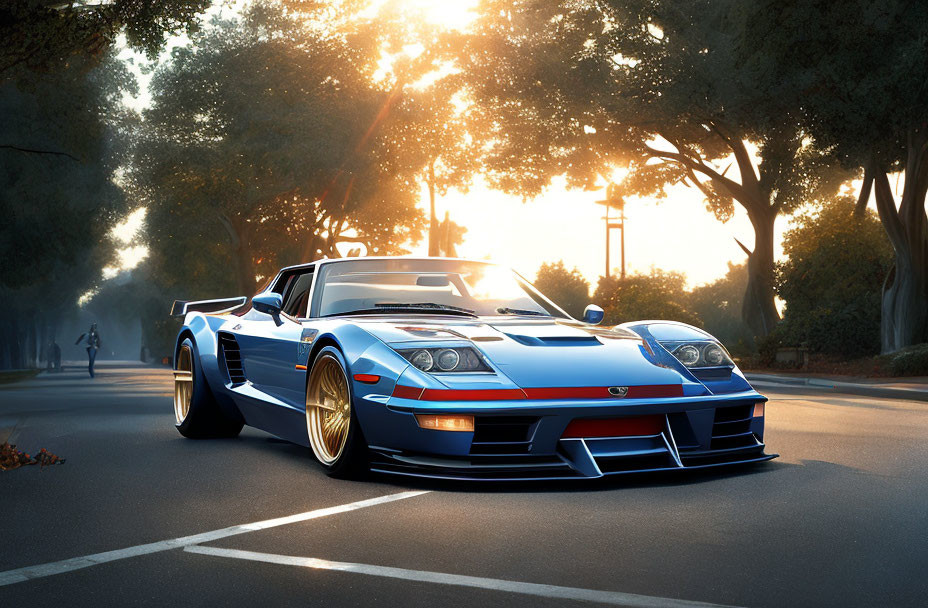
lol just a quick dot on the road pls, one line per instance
(840, 519)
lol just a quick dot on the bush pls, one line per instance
(658, 295)
(718, 304)
(832, 281)
(910, 361)
(566, 288)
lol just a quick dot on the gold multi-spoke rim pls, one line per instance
(328, 409)
(183, 384)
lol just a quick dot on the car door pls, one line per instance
(270, 351)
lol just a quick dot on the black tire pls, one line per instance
(353, 460)
(204, 419)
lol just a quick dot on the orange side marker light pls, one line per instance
(439, 422)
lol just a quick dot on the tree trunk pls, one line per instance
(433, 220)
(246, 268)
(239, 238)
(758, 310)
(904, 314)
(43, 339)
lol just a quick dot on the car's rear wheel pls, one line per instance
(196, 413)
(331, 422)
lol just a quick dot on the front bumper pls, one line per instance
(525, 441)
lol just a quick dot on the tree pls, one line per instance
(42, 35)
(718, 305)
(579, 88)
(831, 282)
(437, 141)
(59, 80)
(637, 297)
(56, 207)
(433, 125)
(263, 146)
(859, 68)
(567, 288)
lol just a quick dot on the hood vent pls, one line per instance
(232, 357)
(556, 340)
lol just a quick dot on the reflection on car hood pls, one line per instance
(537, 352)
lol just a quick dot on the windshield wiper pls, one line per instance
(425, 305)
(520, 311)
(418, 307)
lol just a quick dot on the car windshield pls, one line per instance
(401, 285)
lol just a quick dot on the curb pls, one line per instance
(838, 386)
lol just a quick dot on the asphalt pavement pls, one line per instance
(140, 516)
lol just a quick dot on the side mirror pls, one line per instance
(593, 314)
(269, 304)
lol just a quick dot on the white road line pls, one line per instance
(76, 563)
(616, 598)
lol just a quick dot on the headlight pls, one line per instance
(687, 354)
(445, 359)
(699, 354)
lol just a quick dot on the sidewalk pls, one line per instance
(915, 388)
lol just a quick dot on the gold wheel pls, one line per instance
(183, 384)
(328, 409)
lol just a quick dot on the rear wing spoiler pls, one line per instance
(182, 307)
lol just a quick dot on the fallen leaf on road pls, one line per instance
(11, 458)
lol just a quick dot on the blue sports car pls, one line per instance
(458, 369)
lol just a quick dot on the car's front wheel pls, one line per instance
(196, 413)
(331, 422)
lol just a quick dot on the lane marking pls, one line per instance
(618, 598)
(76, 563)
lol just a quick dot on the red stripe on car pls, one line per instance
(647, 391)
(644, 391)
(407, 392)
(483, 394)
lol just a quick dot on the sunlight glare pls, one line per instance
(448, 14)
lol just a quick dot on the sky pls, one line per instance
(676, 233)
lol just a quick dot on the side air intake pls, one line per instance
(232, 357)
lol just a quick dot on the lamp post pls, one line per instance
(614, 199)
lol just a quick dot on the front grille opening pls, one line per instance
(503, 428)
(503, 434)
(635, 463)
(732, 428)
(232, 358)
(730, 414)
(739, 441)
(713, 374)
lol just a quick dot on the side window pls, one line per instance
(296, 294)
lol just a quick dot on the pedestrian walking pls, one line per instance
(92, 340)
(53, 356)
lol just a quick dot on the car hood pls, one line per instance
(538, 352)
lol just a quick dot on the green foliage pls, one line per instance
(832, 280)
(718, 304)
(909, 361)
(859, 70)
(44, 35)
(57, 196)
(566, 288)
(767, 347)
(658, 295)
(56, 171)
(267, 167)
(579, 88)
